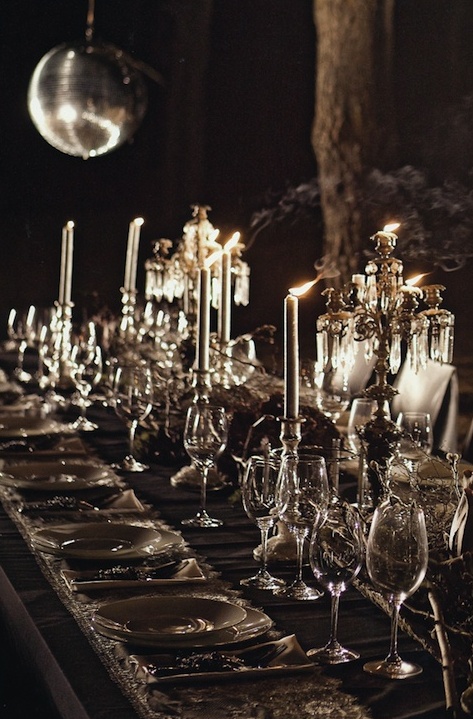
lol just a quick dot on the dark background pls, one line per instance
(231, 125)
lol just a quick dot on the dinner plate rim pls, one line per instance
(10, 477)
(262, 623)
(58, 551)
(51, 427)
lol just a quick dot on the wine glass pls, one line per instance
(261, 502)
(416, 440)
(86, 372)
(333, 397)
(336, 556)
(133, 401)
(205, 438)
(361, 411)
(305, 496)
(396, 561)
(20, 329)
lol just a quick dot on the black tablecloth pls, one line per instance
(49, 669)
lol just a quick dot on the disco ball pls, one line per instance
(86, 99)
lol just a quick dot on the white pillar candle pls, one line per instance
(225, 306)
(291, 357)
(203, 324)
(138, 222)
(62, 273)
(69, 259)
(129, 253)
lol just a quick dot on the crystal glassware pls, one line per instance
(133, 401)
(336, 556)
(416, 441)
(396, 561)
(205, 438)
(261, 501)
(305, 497)
(86, 372)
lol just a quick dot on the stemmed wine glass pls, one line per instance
(133, 401)
(20, 329)
(86, 372)
(396, 560)
(205, 437)
(332, 398)
(305, 496)
(336, 556)
(416, 441)
(262, 504)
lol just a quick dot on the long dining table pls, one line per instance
(53, 664)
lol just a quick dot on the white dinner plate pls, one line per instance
(24, 427)
(56, 476)
(108, 541)
(171, 619)
(109, 623)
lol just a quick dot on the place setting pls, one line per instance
(197, 638)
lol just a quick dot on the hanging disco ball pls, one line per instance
(86, 99)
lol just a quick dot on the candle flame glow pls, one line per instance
(414, 280)
(70, 225)
(390, 228)
(138, 221)
(299, 291)
(232, 242)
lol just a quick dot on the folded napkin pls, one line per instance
(180, 572)
(109, 499)
(282, 655)
(47, 447)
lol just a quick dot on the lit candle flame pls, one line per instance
(70, 225)
(138, 221)
(414, 280)
(232, 242)
(390, 228)
(299, 291)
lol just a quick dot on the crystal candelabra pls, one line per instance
(173, 276)
(383, 311)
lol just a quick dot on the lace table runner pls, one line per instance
(285, 697)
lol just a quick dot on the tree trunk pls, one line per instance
(353, 127)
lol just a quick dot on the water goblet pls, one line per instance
(305, 497)
(416, 440)
(261, 502)
(333, 397)
(336, 556)
(85, 371)
(133, 401)
(205, 438)
(396, 561)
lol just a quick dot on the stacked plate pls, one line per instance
(111, 541)
(56, 476)
(179, 622)
(25, 427)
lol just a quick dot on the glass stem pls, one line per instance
(264, 528)
(131, 437)
(334, 618)
(203, 490)
(393, 656)
(300, 536)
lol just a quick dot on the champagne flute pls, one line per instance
(86, 371)
(416, 441)
(261, 502)
(305, 496)
(133, 401)
(205, 438)
(396, 561)
(336, 556)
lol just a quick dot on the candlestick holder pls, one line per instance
(189, 477)
(381, 310)
(63, 332)
(127, 327)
